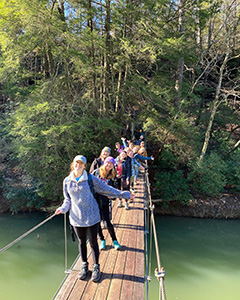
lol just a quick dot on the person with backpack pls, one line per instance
(106, 173)
(84, 213)
(106, 151)
(123, 167)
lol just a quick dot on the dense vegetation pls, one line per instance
(74, 73)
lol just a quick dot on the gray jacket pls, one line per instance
(78, 198)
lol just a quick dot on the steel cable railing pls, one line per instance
(26, 233)
(159, 271)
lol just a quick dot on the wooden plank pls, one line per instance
(129, 272)
(92, 287)
(81, 285)
(67, 287)
(118, 271)
(107, 274)
(139, 284)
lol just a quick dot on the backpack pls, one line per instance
(90, 182)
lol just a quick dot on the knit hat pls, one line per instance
(109, 159)
(81, 158)
(106, 149)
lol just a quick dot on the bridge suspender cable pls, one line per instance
(26, 233)
(159, 272)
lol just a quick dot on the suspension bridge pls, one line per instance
(126, 273)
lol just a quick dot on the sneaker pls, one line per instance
(116, 245)
(120, 203)
(102, 245)
(96, 273)
(83, 272)
(126, 206)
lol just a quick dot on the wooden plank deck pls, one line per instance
(122, 271)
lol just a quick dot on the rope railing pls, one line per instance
(150, 220)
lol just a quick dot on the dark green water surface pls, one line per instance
(201, 258)
(34, 267)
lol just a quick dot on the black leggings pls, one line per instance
(91, 232)
(105, 217)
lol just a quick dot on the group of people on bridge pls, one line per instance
(88, 197)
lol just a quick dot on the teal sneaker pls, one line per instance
(116, 245)
(102, 245)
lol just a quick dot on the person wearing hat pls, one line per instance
(83, 210)
(106, 173)
(106, 151)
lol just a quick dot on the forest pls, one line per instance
(77, 75)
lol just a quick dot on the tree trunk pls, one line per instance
(179, 76)
(92, 51)
(106, 56)
(118, 90)
(198, 27)
(216, 103)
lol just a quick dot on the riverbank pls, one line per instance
(225, 206)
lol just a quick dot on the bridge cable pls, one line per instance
(26, 233)
(146, 222)
(159, 272)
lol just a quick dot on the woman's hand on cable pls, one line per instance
(58, 211)
(132, 196)
(152, 157)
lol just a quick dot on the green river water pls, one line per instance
(200, 256)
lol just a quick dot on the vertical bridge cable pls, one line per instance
(26, 233)
(65, 241)
(146, 222)
(159, 272)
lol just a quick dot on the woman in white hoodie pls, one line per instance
(84, 211)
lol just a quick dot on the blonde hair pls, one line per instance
(108, 175)
(141, 150)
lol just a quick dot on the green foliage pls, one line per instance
(69, 83)
(21, 196)
(232, 172)
(172, 186)
(48, 132)
(207, 179)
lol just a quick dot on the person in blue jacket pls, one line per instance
(137, 156)
(83, 210)
(124, 171)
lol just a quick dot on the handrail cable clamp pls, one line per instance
(160, 274)
(151, 207)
